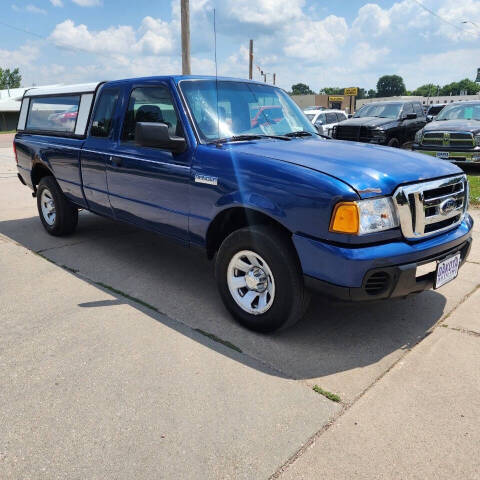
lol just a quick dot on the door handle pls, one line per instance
(117, 161)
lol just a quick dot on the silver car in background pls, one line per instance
(324, 120)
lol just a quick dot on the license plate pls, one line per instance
(447, 270)
(443, 155)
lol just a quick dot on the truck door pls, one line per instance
(409, 125)
(97, 151)
(149, 186)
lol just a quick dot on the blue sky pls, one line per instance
(321, 43)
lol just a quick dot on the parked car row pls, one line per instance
(446, 131)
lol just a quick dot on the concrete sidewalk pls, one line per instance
(421, 421)
(93, 386)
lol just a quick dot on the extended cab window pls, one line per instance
(150, 104)
(53, 113)
(418, 110)
(103, 118)
(407, 108)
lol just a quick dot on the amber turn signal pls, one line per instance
(345, 218)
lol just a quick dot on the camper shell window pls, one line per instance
(53, 113)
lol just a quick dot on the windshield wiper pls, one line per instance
(300, 133)
(244, 137)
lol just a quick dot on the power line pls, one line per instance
(23, 30)
(435, 14)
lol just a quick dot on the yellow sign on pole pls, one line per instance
(335, 99)
(351, 91)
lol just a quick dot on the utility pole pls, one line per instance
(274, 78)
(185, 20)
(250, 61)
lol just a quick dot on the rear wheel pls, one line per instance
(259, 279)
(58, 215)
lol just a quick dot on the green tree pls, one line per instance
(331, 91)
(390, 86)
(371, 93)
(10, 78)
(427, 90)
(455, 88)
(301, 89)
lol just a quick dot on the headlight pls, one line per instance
(378, 135)
(419, 137)
(364, 216)
(477, 140)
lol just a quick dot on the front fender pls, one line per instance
(250, 199)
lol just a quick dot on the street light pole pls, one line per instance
(185, 21)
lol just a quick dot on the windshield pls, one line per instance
(243, 109)
(310, 116)
(468, 111)
(384, 110)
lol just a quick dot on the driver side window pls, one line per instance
(150, 104)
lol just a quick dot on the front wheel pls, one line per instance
(58, 215)
(393, 142)
(259, 279)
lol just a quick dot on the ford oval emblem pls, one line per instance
(447, 206)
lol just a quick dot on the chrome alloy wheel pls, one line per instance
(251, 282)
(48, 207)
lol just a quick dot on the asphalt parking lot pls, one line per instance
(118, 360)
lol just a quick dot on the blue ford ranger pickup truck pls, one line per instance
(235, 168)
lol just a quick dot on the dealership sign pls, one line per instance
(335, 99)
(351, 91)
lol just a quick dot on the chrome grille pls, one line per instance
(428, 208)
(448, 139)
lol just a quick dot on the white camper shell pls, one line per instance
(59, 110)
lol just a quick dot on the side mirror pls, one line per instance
(150, 134)
(350, 115)
(410, 116)
(429, 118)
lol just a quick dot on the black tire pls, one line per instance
(393, 142)
(66, 214)
(290, 299)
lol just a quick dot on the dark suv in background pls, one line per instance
(385, 123)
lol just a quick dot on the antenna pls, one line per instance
(216, 69)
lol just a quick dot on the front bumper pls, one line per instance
(396, 281)
(467, 156)
(347, 273)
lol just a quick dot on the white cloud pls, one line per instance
(265, 12)
(19, 57)
(78, 37)
(152, 37)
(56, 3)
(313, 41)
(372, 20)
(30, 8)
(87, 3)
(33, 9)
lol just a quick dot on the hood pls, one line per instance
(371, 170)
(368, 121)
(472, 126)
